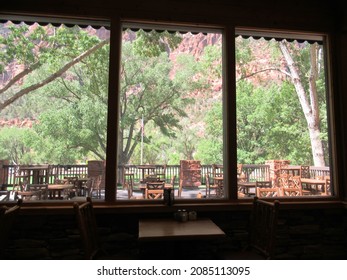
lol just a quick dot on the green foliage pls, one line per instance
(210, 148)
(270, 125)
(14, 146)
(152, 44)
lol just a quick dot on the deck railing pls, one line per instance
(254, 172)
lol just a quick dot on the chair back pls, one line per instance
(154, 190)
(7, 219)
(263, 226)
(87, 227)
(41, 190)
(265, 189)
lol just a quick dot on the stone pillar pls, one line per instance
(275, 167)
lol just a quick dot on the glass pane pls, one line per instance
(54, 88)
(171, 124)
(282, 127)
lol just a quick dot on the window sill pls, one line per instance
(215, 206)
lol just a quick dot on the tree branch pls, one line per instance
(264, 70)
(20, 76)
(52, 77)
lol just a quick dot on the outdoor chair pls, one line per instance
(7, 219)
(160, 172)
(41, 189)
(265, 189)
(262, 233)
(172, 183)
(305, 171)
(154, 190)
(212, 189)
(290, 185)
(97, 186)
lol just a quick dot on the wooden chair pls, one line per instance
(290, 185)
(172, 183)
(70, 193)
(7, 219)
(154, 190)
(211, 188)
(88, 229)
(263, 226)
(41, 189)
(161, 172)
(21, 179)
(241, 176)
(97, 187)
(217, 170)
(327, 189)
(305, 171)
(265, 189)
(91, 243)
(262, 233)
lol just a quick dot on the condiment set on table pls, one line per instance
(183, 215)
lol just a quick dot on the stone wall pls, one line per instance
(301, 234)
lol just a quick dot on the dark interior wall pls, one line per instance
(303, 234)
(308, 14)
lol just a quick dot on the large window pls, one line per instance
(175, 112)
(282, 115)
(171, 113)
(53, 108)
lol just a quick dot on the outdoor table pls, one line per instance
(245, 187)
(313, 185)
(56, 190)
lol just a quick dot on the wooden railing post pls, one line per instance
(3, 173)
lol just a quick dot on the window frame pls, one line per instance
(229, 120)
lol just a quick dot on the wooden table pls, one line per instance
(313, 185)
(56, 190)
(170, 229)
(245, 187)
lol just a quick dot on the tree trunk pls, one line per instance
(309, 107)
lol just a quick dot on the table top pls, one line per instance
(170, 229)
(247, 184)
(60, 186)
(312, 181)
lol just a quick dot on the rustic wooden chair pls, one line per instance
(211, 188)
(40, 189)
(291, 186)
(262, 235)
(7, 219)
(305, 171)
(154, 190)
(70, 193)
(263, 226)
(172, 183)
(161, 172)
(97, 186)
(87, 227)
(327, 188)
(265, 189)
(91, 242)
